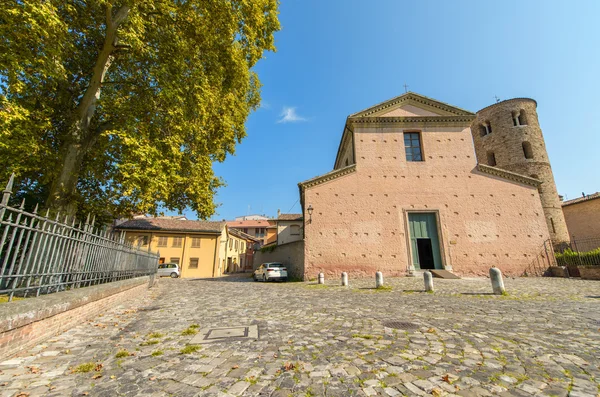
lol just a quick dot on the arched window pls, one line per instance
(491, 159)
(527, 150)
(522, 118)
(485, 129)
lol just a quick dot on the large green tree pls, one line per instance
(123, 106)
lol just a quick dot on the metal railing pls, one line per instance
(579, 252)
(543, 261)
(39, 255)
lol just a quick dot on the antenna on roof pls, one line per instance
(405, 88)
(497, 99)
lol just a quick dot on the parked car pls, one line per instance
(168, 270)
(270, 271)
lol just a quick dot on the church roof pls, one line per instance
(411, 98)
(582, 199)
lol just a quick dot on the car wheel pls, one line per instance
(284, 279)
(254, 277)
(174, 275)
(264, 277)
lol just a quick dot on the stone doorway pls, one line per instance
(424, 240)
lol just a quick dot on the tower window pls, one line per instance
(553, 227)
(491, 159)
(485, 129)
(527, 150)
(412, 146)
(522, 118)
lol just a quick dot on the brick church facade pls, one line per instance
(409, 191)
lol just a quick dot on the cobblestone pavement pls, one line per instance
(542, 339)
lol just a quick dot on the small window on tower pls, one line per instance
(522, 118)
(485, 129)
(527, 150)
(346, 162)
(491, 159)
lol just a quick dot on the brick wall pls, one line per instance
(26, 323)
(290, 254)
(583, 219)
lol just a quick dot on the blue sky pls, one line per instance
(337, 57)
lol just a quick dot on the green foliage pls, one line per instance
(268, 248)
(86, 367)
(570, 258)
(121, 107)
(122, 353)
(189, 349)
(191, 330)
(157, 353)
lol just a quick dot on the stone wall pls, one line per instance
(28, 322)
(583, 219)
(359, 222)
(506, 143)
(290, 254)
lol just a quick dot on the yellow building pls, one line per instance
(202, 249)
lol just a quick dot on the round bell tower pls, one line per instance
(507, 135)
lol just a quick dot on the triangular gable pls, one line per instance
(412, 105)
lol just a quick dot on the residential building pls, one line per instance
(408, 191)
(583, 216)
(255, 228)
(289, 228)
(194, 245)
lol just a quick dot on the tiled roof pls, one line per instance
(248, 223)
(289, 217)
(243, 235)
(172, 225)
(581, 199)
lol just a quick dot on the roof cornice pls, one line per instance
(327, 177)
(446, 121)
(408, 98)
(486, 169)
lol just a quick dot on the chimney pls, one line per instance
(278, 212)
(582, 194)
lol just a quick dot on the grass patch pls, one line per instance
(86, 367)
(4, 298)
(384, 288)
(155, 335)
(122, 353)
(189, 349)
(150, 342)
(194, 326)
(157, 353)
(191, 330)
(363, 336)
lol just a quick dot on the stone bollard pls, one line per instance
(428, 278)
(321, 278)
(378, 280)
(497, 283)
(344, 279)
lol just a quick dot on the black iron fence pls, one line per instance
(578, 252)
(544, 260)
(40, 255)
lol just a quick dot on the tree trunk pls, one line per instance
(63, 190)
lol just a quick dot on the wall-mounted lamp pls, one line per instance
(310, 211)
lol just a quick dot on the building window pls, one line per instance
(243, 246)
(175, 260)
(235, 245)
(412, 145)
(245, 230)
(195, 242)
(142, 241)
(346, 162)
(491, 159)
(295, 230)
(230, 243)
(193, 263)
(177, 241)
(527, 150)
(162, 241)
(522, 119)
(161, 260)
(485, 129)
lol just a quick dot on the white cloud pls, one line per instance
(264, 105)
(289, 115)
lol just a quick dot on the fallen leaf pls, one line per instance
(431, 330)
(22, 394)
(446, 378)
(85, 393)
(112, 377)
(153, 378)
(97, 376)
(289, 366)
(274, 355)
(235, 367)
(98, 367)
(4, 384)
(436, 392)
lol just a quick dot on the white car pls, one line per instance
(168, 270)
(270, 271)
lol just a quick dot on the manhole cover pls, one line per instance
(208, 335)
(400, 325)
